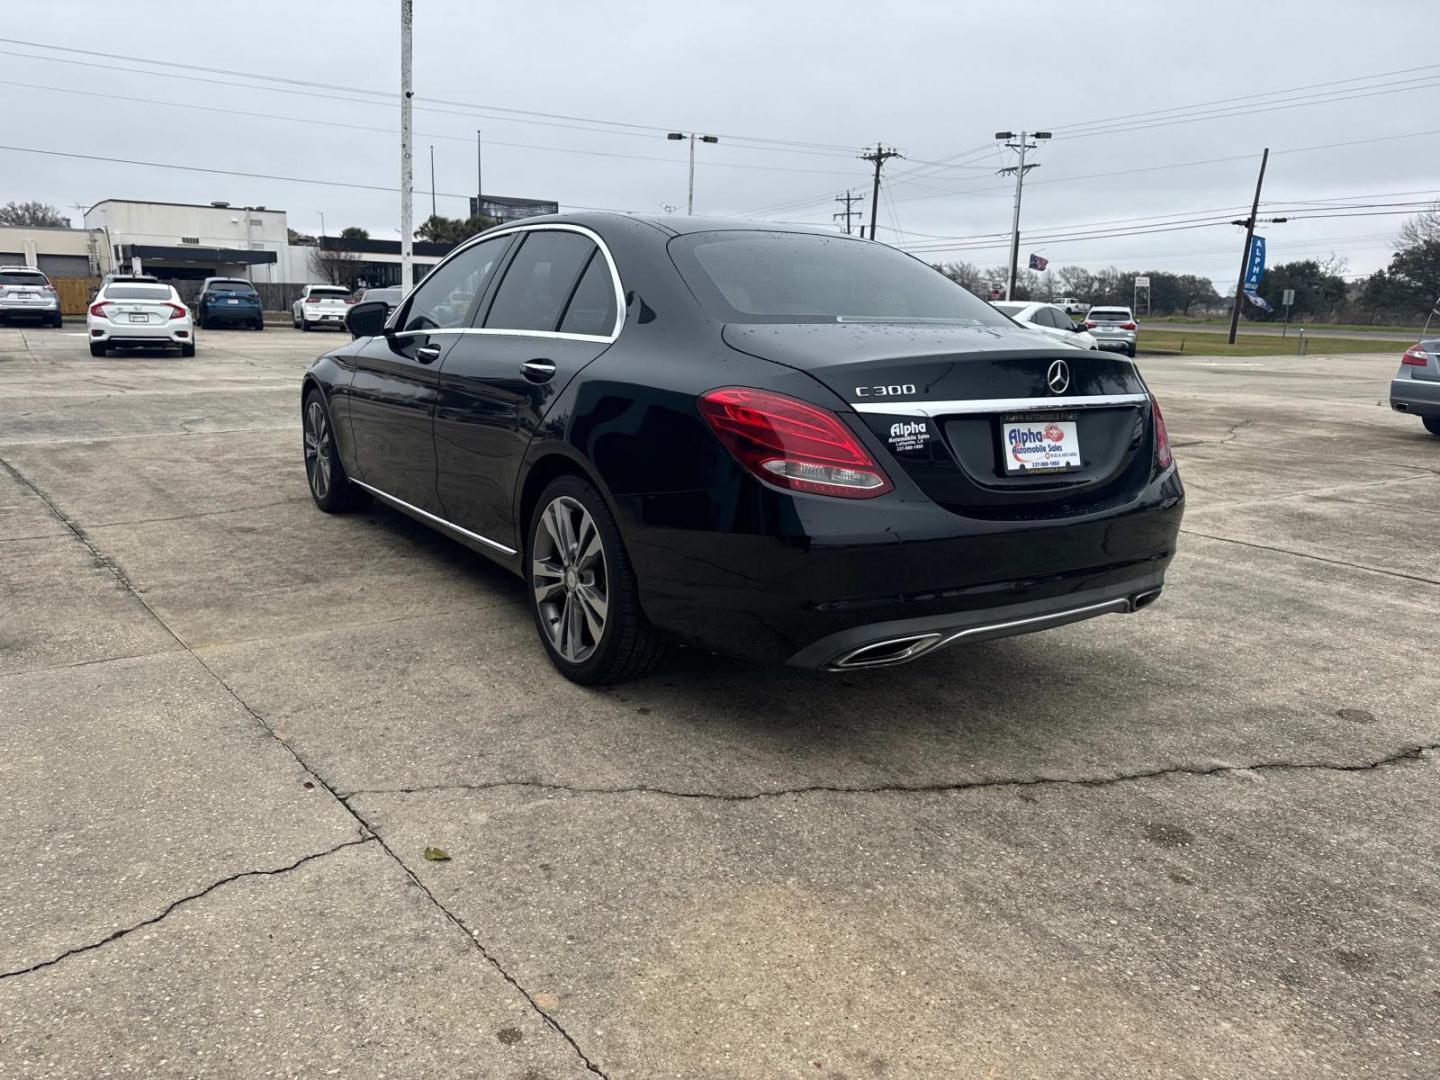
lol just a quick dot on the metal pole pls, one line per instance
(407, 163)
(1015, 224)
(433, 211)
(1245, 255)
(690, 201)
(479, 173)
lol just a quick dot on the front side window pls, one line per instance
(540, 280)
(444, 299)
(770, 277)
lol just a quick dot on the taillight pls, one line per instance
(1127, 326)
(177, 312)
(1163, 457)
(792, 444)
(98, 310)
(1416, 356)
(1088, 325)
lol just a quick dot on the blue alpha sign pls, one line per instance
(1255, 266)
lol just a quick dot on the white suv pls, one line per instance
(26, 291)
(139, 313)
(321, 305)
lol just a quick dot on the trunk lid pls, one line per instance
(945, 400)
(1431, 371)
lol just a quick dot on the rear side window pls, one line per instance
(539, 282)
(21, 278)
(137, 292)
(592, 308)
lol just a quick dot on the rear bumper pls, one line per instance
(48, 308)
(172, 333)
(1419, 397)
(226, 313)
(830, 580)
(1114, 344)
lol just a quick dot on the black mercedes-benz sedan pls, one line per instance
(770, 442)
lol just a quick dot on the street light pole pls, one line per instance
(479, 173)
(407, 162)
(676, 136)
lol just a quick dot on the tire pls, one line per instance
(57, 322)
(259, 324)
(573, 583)
(97, 349)
(295, 321)
(1432, 424)
(1130, 352)
(187, 350)
(324, 473)
(306, 325)
(199, 320)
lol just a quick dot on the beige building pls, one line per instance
(57, 253)
(192, 241)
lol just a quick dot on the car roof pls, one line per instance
(674, 224)
(21, 270)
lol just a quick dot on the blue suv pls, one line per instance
(228, 300)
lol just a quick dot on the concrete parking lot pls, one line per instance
(1201, 841)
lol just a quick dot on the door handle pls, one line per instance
(427, 354)
(538, 371)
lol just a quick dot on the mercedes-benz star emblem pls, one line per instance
(1058, 377)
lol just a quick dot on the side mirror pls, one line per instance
(367, 319)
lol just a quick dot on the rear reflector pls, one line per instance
(1163, 457)
(792, 444)
(1415, 357)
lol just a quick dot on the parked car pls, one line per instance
(768, 441)
(228, 300)
(139, 314)
(391, 295)
(1416, 386)
(321, 305)
(26, 292)
(1072, 306)
(1113, 328)
(1049, 319)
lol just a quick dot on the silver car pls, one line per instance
(1113, 328)
(1416, 387)
(26, 291)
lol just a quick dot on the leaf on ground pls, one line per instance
(435, 854)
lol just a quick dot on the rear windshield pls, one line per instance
(767, 277)
(1109, 314)
(1010, 309)
(137, 292)
(232, 286)
(20, 278)
(321, 294)
(390, 296)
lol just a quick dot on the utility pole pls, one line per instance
(433, 211)
(407, 158)
(479, 174)
(676, 136)
(1019, 170)
(878, 157)
(847, 213)
(1249, 224)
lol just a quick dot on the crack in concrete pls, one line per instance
(1316, 558)
(1227, 437)
(1415, 752)
(369, 832)
(116, 935)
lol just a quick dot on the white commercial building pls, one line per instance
(189, 241)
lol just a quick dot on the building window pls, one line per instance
(189, 239)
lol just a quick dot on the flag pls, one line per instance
(1255, 264)
(1038, 263)
(1436, 309)
(1259, 301)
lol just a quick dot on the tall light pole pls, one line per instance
(322, 223)
(1019, 170)
(677, 136)
(407, 158)
(479, 174)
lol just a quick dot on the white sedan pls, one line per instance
(139, 314)
(1048, 319)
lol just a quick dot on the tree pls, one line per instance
(334, 267)
(1422, 227)
(1076, 281)
(442, 230)
(298, 238)
(965, 274)
(1318, 291)
(354, 232)
(34, 215)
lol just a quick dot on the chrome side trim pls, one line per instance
(996, 405)
(492, 234)
(438, 522)
(1120, 604)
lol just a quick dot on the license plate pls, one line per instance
(1040, 445)
(232, 301)
(139, 318)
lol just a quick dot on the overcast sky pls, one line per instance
(934, 78)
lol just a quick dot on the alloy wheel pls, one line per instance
(317, 449)
(568, 574)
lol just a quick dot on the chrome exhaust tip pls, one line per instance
(884, 653)
(1144, 599)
